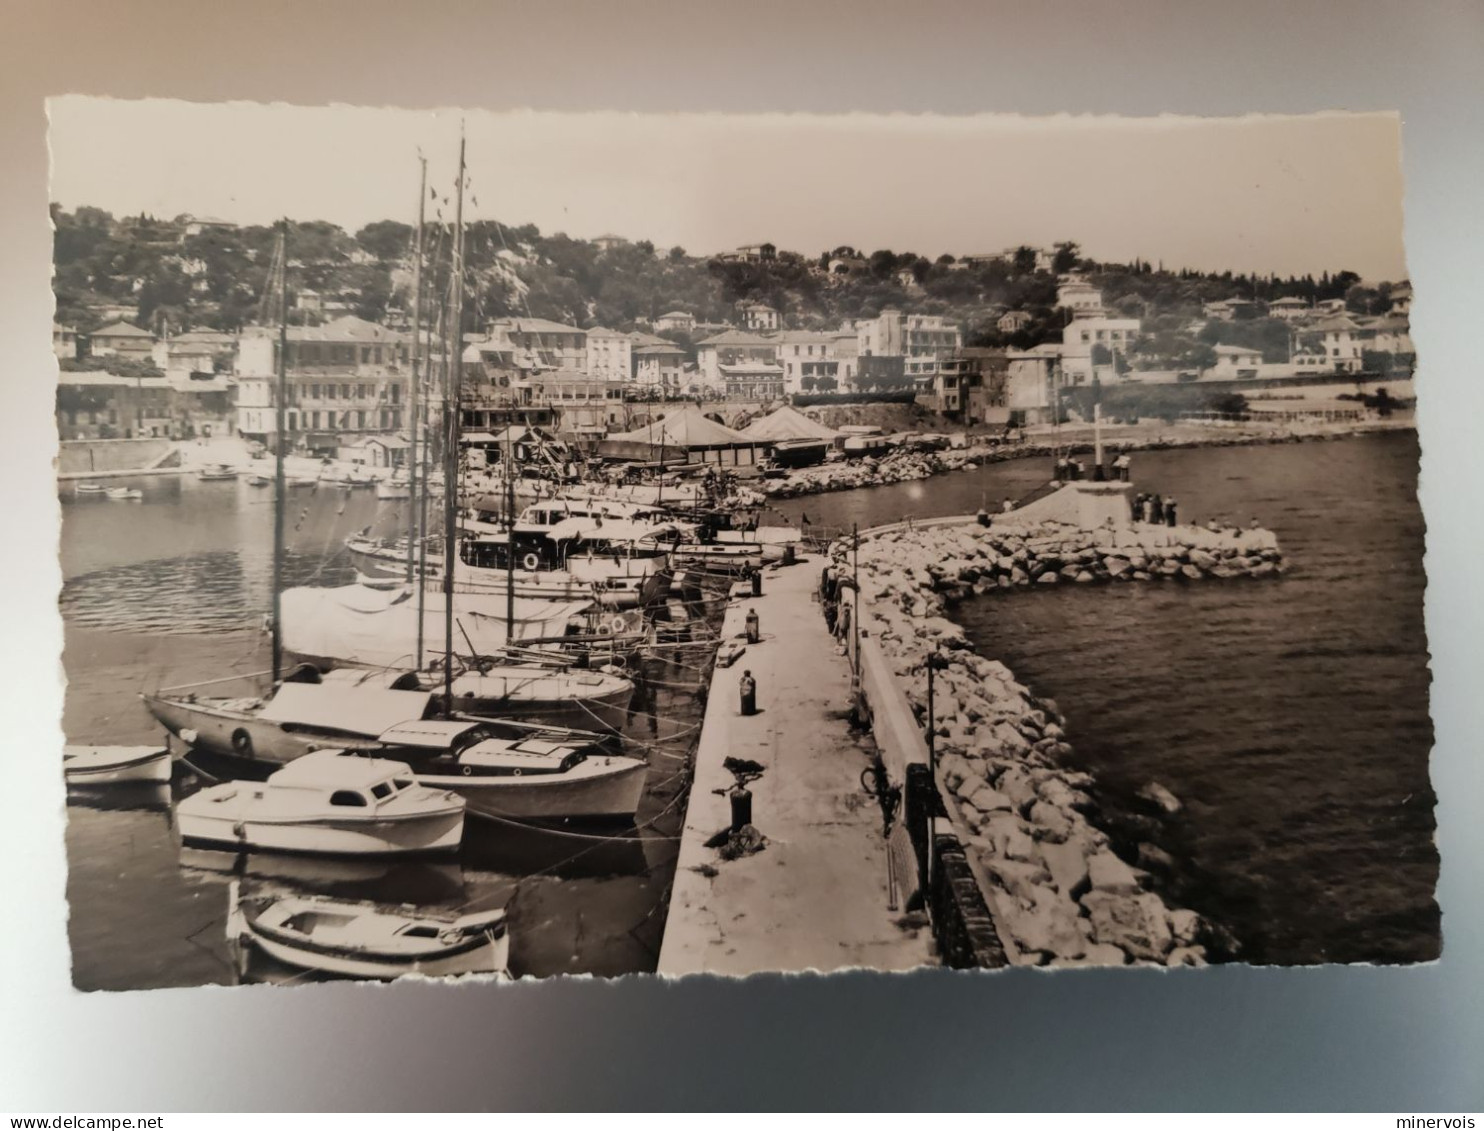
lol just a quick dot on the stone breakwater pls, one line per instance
(903, 466)
(1058, 889)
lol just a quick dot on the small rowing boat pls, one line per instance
(107, 765)
(363, 940)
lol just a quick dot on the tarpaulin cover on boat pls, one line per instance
(378, 628)
(339, 707)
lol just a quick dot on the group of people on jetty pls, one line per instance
(1071, 470)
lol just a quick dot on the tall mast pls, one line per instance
(412, 379)
(280, 403)
(451, 443)
(509, 533)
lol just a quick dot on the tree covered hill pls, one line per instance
(216, 276)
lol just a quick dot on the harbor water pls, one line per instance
(1289, 717)
(173, 589)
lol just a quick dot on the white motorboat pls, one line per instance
(364, 940)
(217, 471)
(124, 494)
(107, 765)
(328, 802)
(542, 776)
(258, 481)
(91, 489)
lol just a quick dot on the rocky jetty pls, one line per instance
(1059, 890)
(904, 465)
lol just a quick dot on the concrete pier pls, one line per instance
(816, 896)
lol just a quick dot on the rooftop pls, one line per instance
(121, 330)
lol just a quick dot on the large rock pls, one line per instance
(1098, 954)
(987, 799)
(1048, 926)
(1110, 874)
(1020, 878)
(1068, 867)
(1134, 924)
(1161, 798)
(1186, 956)
(1185, 925)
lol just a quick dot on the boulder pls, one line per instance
(1202, 559)
(1048, 926)
(1192, 572)
(1186, 956)
(1068, 868)
(1047, 579)
(987, 799)
(1110, 874)
(1161, 798)
(1135, 925)
(1098, 954)
(1049, 823)
(1116, 566)
(1154, 858)
(1020, 879)
(1185, 925)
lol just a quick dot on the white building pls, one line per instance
(1339, 338)
(1233, 362)
(64, 342)
(1031, 384)
(1083, 335)
(121, 339)
(660, 368)
(1080, 297)
(737, 347)
(759, 316)
(539, 343)
(1289, 309)
(818, 355)
(676, 320)
(610, 354)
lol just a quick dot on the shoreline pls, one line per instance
(903, 466)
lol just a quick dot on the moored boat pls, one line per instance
(550, 775)
(217, 471)
(91, 490)
(107, 765)
(327, 802)
(364, 940)
(124, 494)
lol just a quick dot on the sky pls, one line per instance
(1275, 194)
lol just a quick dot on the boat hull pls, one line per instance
(599, 712)
(407, 836)
(110, 765)
(216, 731)
(606, 789)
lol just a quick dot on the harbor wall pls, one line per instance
(1056, 890)
(80, 459)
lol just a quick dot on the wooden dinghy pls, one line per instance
(107, 765)
(364, 940)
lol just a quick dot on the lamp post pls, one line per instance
(935, 661)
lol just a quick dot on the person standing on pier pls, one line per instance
(1121, 465)
(1169, 512)
(1156, 511)
(1062, 469)
(1007, 506)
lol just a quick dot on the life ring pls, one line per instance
(242, 743)
(530, 563)
(605, 628)
(468, 770)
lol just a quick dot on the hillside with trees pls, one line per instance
(215, 277)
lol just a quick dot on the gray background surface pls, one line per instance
(1407, 1040)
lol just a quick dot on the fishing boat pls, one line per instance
(550, 775)
(124, 494)
(108, 765)
(217, 471)
(327, 802)
(364, 940)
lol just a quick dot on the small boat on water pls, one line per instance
(217, 471)
(258, 481)
(364, 940)
(107, 765)
(327, 802)
(124, 494)
(396, 488)
(91, 489)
